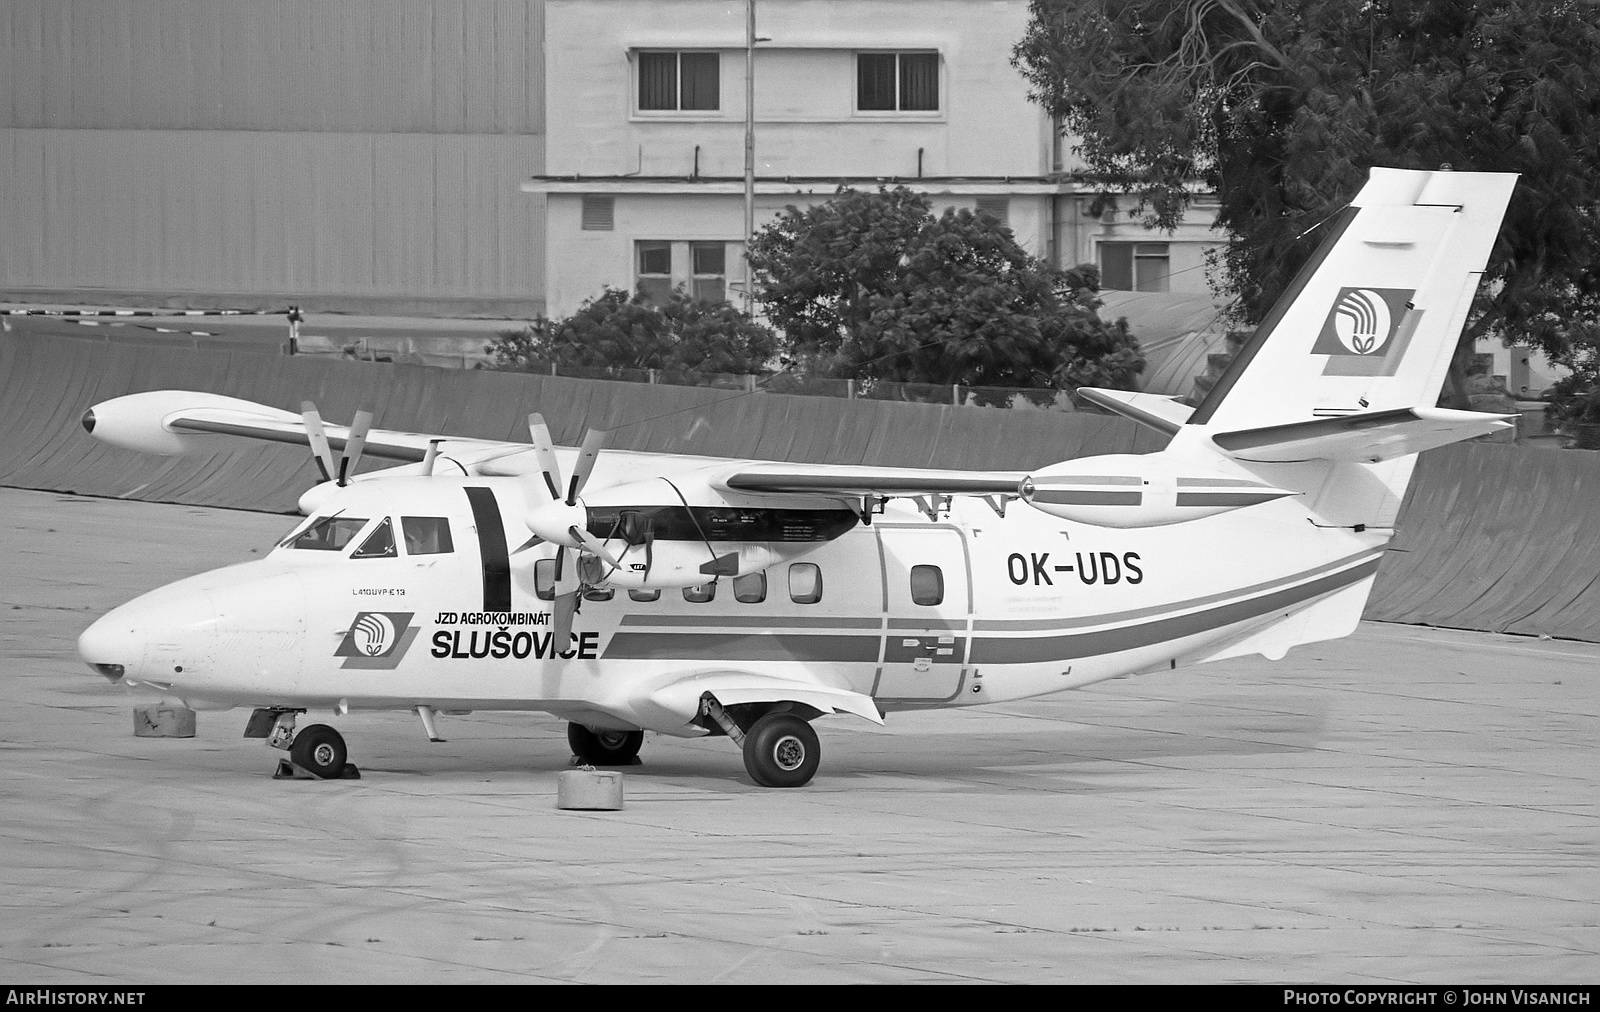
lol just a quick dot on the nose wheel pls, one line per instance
(317, 752)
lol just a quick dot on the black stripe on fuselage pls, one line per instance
(491, 548)
(1034, 649)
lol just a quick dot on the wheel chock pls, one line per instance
(589, 789)
(287, 770)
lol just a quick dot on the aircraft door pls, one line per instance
(927, 596)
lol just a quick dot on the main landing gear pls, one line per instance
(605, 748)
(780, 747)
(317, 752)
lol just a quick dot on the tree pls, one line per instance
(1280, 108)
(873, 286)
(616, 331)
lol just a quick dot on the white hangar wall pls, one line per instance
(363, 155)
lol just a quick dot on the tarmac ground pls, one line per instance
(1407, 805)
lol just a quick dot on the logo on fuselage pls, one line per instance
(377, 639)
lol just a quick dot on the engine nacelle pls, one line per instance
(1127, 490)
(683, 533)
(141, 421)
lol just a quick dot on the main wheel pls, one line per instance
(604, 748)
(781, 750)
(319, 749)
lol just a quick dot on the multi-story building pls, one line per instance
(646, 133)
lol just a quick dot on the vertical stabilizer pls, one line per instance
(1372, 320)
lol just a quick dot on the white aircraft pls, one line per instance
(629, 592)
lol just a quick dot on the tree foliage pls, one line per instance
(1281, 108)
(873, 286)
(616, 331)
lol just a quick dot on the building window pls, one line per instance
(655, 271)
(1134, 266)
(672, 82)
(710, 270)
(699, 268)
(897, 82)
(599, 213)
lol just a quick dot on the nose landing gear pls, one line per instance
(317, 752)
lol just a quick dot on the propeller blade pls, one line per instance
(353, 445)
(321, 452)
(567, 581)
(561, 626)
(544, 449)
(594, 546)
(567, 588)
(530, 543)
(593, 442)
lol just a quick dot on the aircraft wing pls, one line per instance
(171, 422)
(854, 481)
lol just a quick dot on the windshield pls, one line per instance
(329, 534)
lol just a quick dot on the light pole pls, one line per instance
(749, 147)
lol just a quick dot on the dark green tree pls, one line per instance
(615, 331)
(873, 286)
(1280, 108)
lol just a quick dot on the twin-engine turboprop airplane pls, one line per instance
(626, 592)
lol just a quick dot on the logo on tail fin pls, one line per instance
(1365, 332)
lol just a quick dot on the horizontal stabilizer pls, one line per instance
(1154, 411)
(1360, 438)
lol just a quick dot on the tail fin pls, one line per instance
(1371, 321)
(1334, 394)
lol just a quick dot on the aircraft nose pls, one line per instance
(111, 646)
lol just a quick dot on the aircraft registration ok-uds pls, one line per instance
(628, 592)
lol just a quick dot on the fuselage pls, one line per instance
(421, 597)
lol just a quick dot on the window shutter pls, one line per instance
(998, 208)
(599, 213)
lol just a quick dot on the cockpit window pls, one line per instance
(379, 544)
(426, 535)
(329, 534)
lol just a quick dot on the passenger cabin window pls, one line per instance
(927, 585)
(599, 594)
(379, 544)
(750, 589)
(644, 595)
(805, 583)
(701, 594)
(329, 534)
(427, 535)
